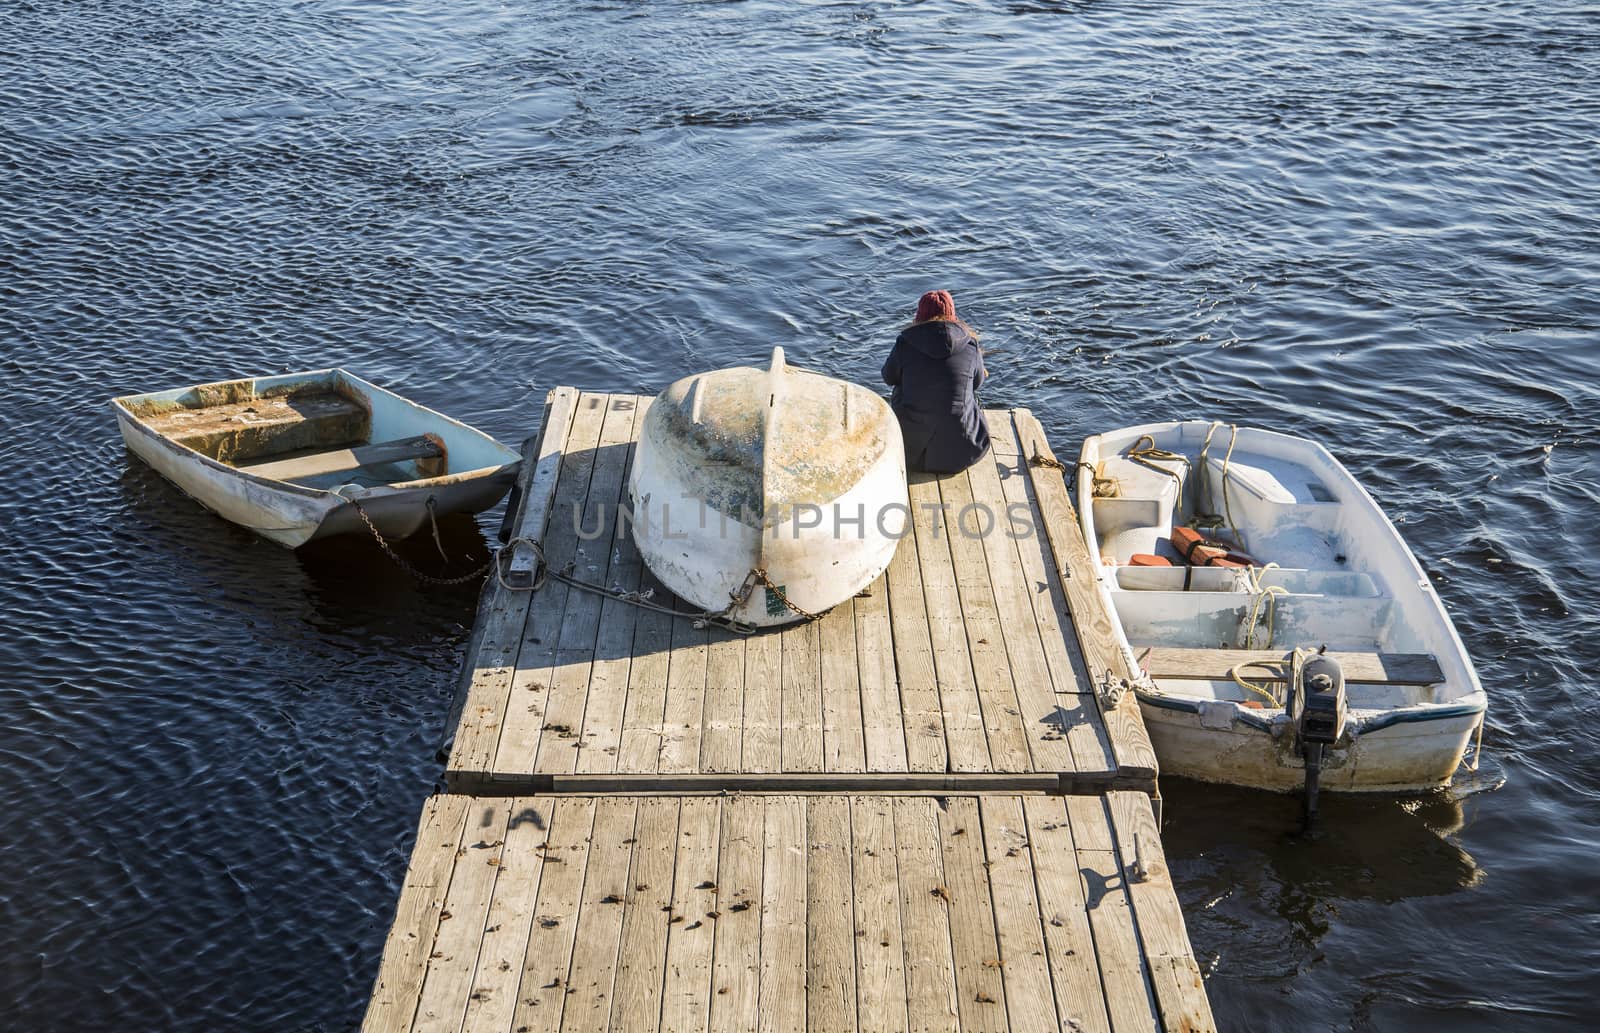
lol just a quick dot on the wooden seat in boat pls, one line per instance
(346, 460)
(1216, 665)
(265, 426)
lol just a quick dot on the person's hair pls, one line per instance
(939, 303)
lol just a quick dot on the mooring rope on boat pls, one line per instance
(1262, 595)
(1286, 663)
(1203, 484)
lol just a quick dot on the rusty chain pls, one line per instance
(401, 562)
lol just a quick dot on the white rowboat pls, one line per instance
(288, 456)
(763, 494)
(1340, 577)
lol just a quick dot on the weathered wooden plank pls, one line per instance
(980, 992)
(592, 981)
(493, 999)
(844, 745)
(999, 444)
(1040, 577)
(722, 739)
(637, 1005)
(644, 716)
(1007, 629)
(529, 697)
(571, 686)
(1218, 665)
(736, 969)
(882, 720)
(684, 713)
(763, 702)
(802, 698)
(1123, 973)
(830, 935)
(345, 460)
(967, 740)
(880, 947)
(1174, 975)
(601, 740)
(416, 922)
(1025, 971)
(915, 673)
(782, 1007)
(503, 613)
(547, 964)
(925, 917)
(1069, 942)
(442, 1005)
(1129, 742)
(1079, 713)
(691, 927)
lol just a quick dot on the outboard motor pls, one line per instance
(1317, 708)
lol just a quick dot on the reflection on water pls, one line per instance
(1362, 848)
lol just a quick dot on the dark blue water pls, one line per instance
(1375, 223)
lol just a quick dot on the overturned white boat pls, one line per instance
(302, 456)
(1291, 565)
(766, 495)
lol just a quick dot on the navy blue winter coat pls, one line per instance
(935, 369)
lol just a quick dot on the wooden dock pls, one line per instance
(919, 812)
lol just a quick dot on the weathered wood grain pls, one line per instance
(802, 698)
(1175, 976)
(1218, 665)
(880, 947)
(503, 613)
(830, 931)
(409, 944)
(537, 660)
(844, 746)
(443, 1003)
(1091, 619)
(736, 971)
(637, 1004)
(922, 713)
(1124, 975)
(980, 992)
(691, 929)
(571, 685)
(592, 981)
(966, 737)
(493, 998)
(782, 1007)
(1069, 942)
(600, 738)
(931, 993)
(546, 967)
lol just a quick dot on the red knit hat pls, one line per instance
(936, 305)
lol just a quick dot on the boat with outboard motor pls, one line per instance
(302, 456)
(767, 495)
(1285, 634)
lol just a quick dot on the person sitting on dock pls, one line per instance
(935, 369)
